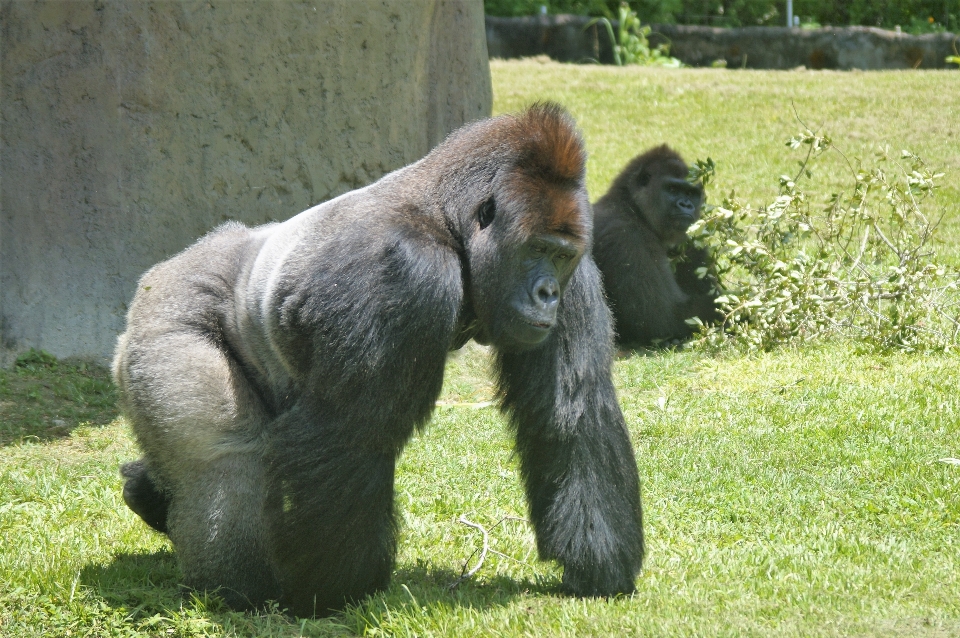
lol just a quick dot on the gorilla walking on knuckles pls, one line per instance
(272, 375)
(638, 222)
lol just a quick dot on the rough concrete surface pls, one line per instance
(128, 129)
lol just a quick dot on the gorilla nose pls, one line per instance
(546, 293)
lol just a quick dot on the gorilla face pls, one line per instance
(517, 277)
(668, 201)
(545, 264)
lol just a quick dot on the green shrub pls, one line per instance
(630, 44)
(33, 359)
(862, 265)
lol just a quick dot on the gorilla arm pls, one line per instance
(371, 367)
(575, 453)
(700, 290)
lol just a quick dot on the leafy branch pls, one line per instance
(861, 265)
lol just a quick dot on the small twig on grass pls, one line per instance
(464, 573)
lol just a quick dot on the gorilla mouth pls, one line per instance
(531, 326)
(530, 331)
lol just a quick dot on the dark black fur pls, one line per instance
(639, 224)
(273, 375)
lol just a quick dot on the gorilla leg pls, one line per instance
(205, 454)
(216, 524)
(332, 528)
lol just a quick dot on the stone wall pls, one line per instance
(569, 39)
(864, 48)
(131, 128)
(565, 38)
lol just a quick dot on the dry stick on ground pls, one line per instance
(464, 574)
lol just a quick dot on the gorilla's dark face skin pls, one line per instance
(521, 264)
(529, 286)
(272, 375)
(658, 194)
(674, 207)
(546, 265)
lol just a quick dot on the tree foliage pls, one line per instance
(915, 16)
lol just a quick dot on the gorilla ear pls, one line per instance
(643, 178)
(486, 213)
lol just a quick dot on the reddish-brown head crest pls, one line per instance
(549, 144)
(549, 171)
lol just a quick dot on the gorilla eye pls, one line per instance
(488, 210)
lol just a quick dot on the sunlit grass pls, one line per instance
(796, 493)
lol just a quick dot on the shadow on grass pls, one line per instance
(422, 590)
(147, 585)
(144, 584)
(426, 586)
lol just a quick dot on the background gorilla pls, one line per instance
(272, 375)
(640, 220)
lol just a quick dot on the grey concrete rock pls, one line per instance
(129, 129)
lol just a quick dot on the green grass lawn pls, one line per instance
(795, 493)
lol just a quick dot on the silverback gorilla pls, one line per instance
(644, 216)
(272, 375)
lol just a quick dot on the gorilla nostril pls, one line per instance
(547, 291)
